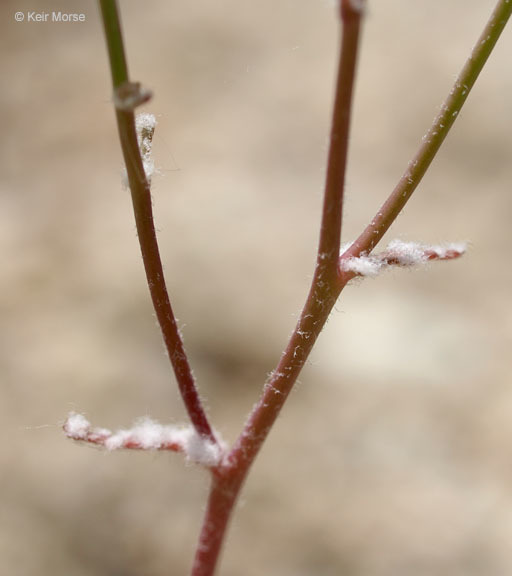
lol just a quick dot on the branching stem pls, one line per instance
(435, 136)
(323, 294)
(328, 281)
(329, 277)
(324, 290)
(141, 199)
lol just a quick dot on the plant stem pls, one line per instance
(224, 489)
(433, 139)
(141, 199)
(115, 45)
(328, 283)
(323, 294)
(330, 229)
(228, 478)
(324, 290)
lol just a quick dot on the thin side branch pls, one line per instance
(128, 95)
(324, 289)
(433, 139)
(147, 434)
(398, 254)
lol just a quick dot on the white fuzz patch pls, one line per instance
(145, 127)
(398, 253)
(406, 253)
(362, 266)
(444, 251)
(77, 426)
(146, 434)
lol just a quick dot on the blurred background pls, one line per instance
(393, 455)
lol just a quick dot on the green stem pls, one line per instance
(115, 46)
(141, 199)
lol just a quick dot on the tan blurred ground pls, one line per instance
(394, 454)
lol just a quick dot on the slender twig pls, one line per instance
(326, 285)
(435, 136)
(146, 434)
(126, 96)
(227, 481)
(330, 230)
(329, 277)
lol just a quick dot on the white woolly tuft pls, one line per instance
(201, 450)
(77, 426)
(362, 266)
(145, 122)
(406, 253)
(147, 434)
(399, 253)
(443, 251)
(145, 127)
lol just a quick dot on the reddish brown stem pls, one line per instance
(325, 287)
(330, 231)
(125, 93)
(224, 490)
(328, 282)
(323, 294)
(228, 477)
(141, 199)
